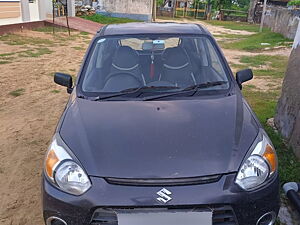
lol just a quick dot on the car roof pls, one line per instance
(152, 28)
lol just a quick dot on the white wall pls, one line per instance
(10, 21)
(135, 9)
(297, 37)
(29, 12)
(34, 11)
(128, 6)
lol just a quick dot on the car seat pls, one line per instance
(177, 67)
(126, 60)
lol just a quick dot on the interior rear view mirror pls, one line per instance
(243, 76)
(64, 80)
(154, 45)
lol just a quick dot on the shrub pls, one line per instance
(294, 2)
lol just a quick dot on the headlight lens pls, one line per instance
(71, 178)
(63, 171)
(259, 166)
(254, 172)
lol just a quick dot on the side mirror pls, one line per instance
(64, 80)
(243, 76)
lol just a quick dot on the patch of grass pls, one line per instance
(35, 52)
(14, 39)
(4, 62)
(235, 25)
(62, 39)
(107, 19)
(277, 64)
(270, 73)
(253, 42)
(250, 86)
(264, 105)
(84, 33)
(17, 92)
(6, 58)
(255, 61)
(86, 37)
(49, 29)
(289, 166)
(275, 61)
(238, 66)
(274, 73)
(271, 85)
(231, 36)
(7, 54)
(55, 91)
(78, 48)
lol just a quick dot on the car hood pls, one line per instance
(159, 139)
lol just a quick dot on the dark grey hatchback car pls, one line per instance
(157, 132)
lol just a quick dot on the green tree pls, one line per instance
(243, 4)
(160, 2)
(230, 4)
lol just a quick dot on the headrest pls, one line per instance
(125, 58)
(175, 58)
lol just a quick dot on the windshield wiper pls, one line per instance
(193, 88)
(138, 89)
(133, 91)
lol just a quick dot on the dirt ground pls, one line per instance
(28, 121)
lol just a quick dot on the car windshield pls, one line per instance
(153, 64)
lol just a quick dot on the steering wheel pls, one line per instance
(122, 80)
(113, 75)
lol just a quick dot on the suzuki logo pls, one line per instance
(164, 196)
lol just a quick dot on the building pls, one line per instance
(25, 11)
(184, 3)
(134, 9)
(19, 11)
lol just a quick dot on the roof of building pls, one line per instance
(152, 28)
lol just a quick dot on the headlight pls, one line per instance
(259, 166)
(63, 171)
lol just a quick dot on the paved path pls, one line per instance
(77, 23)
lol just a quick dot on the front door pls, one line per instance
(34, 10)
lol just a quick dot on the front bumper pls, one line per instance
(245, 208)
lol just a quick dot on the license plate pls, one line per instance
(165, 218)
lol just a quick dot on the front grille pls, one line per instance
(104, 217)
(163, 181)
(222, 215)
